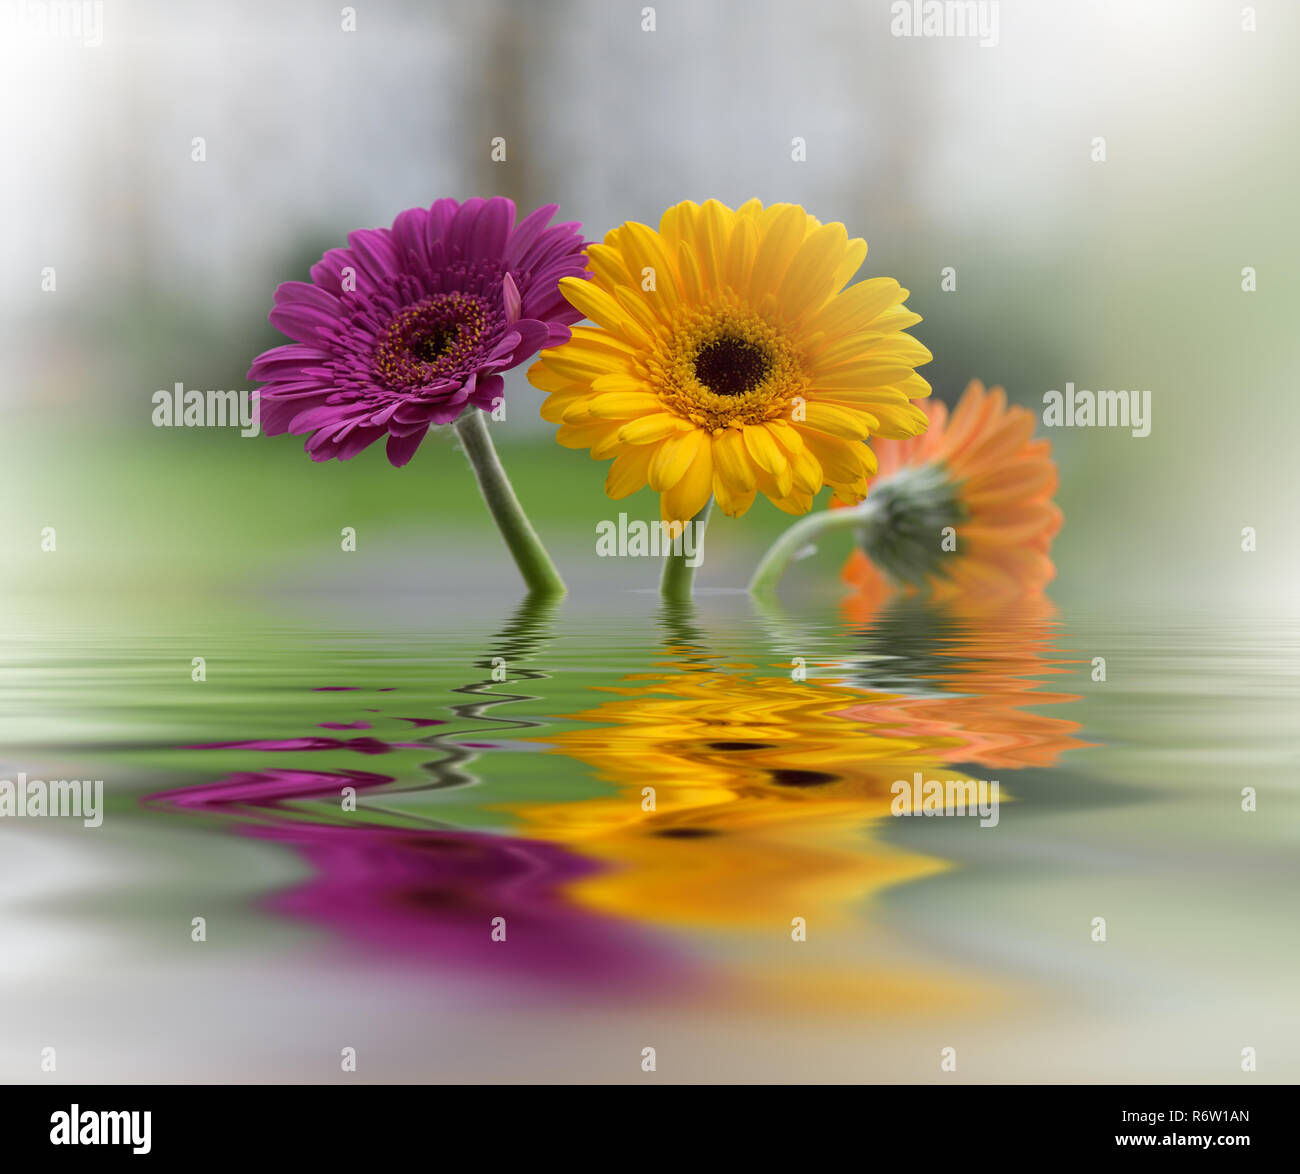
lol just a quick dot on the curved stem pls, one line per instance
(529, 554)
(678, 574)
(804, 532)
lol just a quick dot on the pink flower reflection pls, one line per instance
(432, 894)
(316, 742)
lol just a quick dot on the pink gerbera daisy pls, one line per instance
(411, 325)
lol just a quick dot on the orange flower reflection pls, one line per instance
(984, 673)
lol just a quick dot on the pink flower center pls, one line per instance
(430, 340)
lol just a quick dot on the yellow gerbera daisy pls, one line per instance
(728, 359)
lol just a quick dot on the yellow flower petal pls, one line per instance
(581, 364)
(901, 348)
(861, 375)
(622, 405)
(855, 252)
(677, 224)
(895, 318)
(628, 472)
(608, 445)
(636, 304)
(897, 422)
(777, 249)
(837, 421)
(731, 462)
(732, 501)
(648, 429)
(573, 411)
(805, 468)
(771, 460)
(685, 499)
(645, 250)
(763, 448)
(811, 277)
(606, 264)
(603, 309)
(592, 338)
(544, 378)
(693, 288)
(713, 230)
(858, 306)
(618, 382)
(740, 255)
(673, 457)
(843, 461)
(582, 435)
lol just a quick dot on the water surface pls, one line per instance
(511, 842)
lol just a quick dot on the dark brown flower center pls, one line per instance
(435, 344)
(429, 340)
(786, 777)
(731, 366)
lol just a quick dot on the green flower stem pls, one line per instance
(678, 577)
(805, 532)
(530, 556)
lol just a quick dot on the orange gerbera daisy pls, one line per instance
(978, 471)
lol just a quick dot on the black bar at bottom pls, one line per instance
(366, 1121)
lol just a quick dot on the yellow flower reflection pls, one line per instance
(740, 802)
